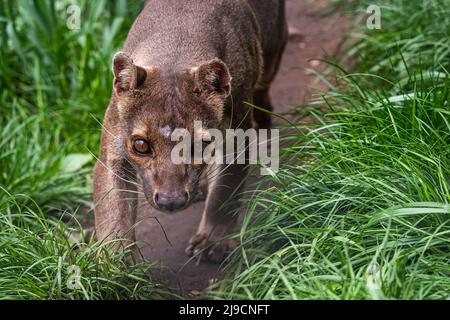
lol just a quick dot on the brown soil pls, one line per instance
(163, 237)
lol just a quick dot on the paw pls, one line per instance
(208, 249)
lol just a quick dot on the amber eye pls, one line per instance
(141, 147)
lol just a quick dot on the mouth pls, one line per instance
(170, 208)
(170, 200)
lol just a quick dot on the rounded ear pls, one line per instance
(213, 77)
(127, 75)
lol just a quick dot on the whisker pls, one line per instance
(103, 127)
(131, 191)
(115, 174)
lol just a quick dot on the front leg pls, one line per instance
(220, 217)
(115, 202)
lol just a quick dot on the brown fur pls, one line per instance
(185, 61)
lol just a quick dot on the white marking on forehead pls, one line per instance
(165, 131)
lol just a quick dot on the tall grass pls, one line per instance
(54, 83)
(360, 208)
(40, 260)
(61, 74)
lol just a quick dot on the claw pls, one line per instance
(217, 252)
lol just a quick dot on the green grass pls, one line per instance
(360, 208)
(60, 74)
(40, 260)
(55, 83)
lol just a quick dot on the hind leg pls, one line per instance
(262, 119)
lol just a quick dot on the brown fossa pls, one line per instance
(185, 61)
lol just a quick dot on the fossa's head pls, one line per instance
(152, 103)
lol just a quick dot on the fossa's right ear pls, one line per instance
(213, 77)
(127, 75)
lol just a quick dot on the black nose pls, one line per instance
(171, 201)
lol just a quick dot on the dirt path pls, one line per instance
(311, 36)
